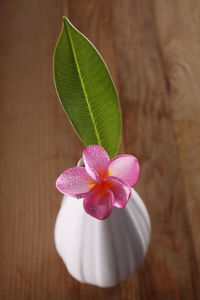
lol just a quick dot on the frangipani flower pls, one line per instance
(103, 183)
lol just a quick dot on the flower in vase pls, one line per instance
(102, 183)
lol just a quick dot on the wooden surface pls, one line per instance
(153, 51)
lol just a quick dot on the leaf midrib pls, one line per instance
(82, 84)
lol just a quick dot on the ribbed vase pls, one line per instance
(102, 253)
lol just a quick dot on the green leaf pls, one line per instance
(86, 90)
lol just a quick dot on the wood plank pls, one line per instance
(171, 268)
(33, 152)
(178, 27)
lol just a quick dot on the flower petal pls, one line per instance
(96, 161)
(99, 204)
(74, 182)
(121, 191)
(125, 167)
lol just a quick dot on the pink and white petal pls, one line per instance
(121, 191)
(96, 161)
(99, 204)
(125, 167)
(74, 182)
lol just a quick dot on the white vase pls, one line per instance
(102, 253)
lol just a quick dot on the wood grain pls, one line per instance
(152, 50)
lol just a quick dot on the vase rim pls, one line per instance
(80, 163)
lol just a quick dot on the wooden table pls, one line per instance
(152, 49)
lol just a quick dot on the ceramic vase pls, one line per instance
(102, 252)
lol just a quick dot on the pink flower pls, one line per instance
(103, 183)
